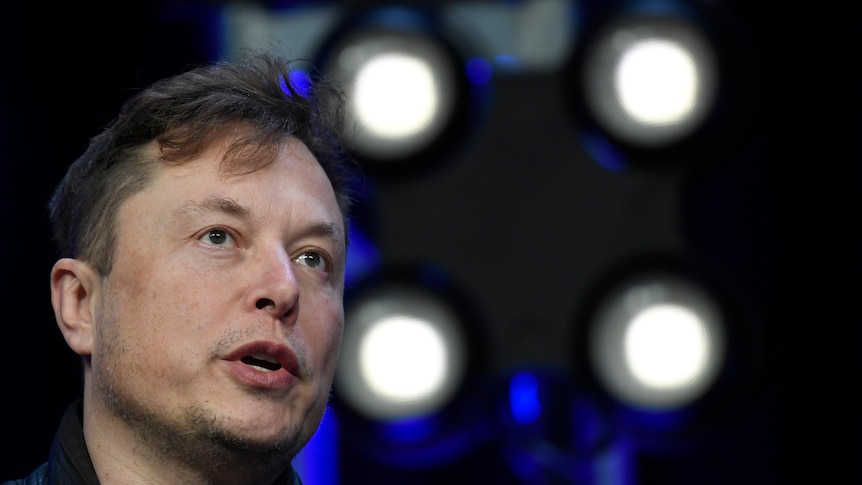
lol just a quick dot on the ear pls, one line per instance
(73, 285)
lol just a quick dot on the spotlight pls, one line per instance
(658, 341)
(404, 353)
(650, 81)
(404, 82)
(407, 388)
(668, 344)
(658, 84)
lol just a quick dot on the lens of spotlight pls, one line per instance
(401, 88)
(403, 353)
(666, 346)
(403, 358)
(656, 81)
(395, 95)
(650, 81)
(657, 342)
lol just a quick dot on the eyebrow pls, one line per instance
(329, 230)
(225, 205)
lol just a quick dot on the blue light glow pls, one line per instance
(507, 62)
(658, 419)
(428, 442)
(479, 70)
(605, 153)
(318, 463)
(410, 430)
(615, 464)
(300, 81)
(363, 256)
(524, 398)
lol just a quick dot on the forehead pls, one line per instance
(288, 176)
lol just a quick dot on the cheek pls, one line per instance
(149, 319)
(324, 337)
(137, 331)
(151, 348)
(327, 340)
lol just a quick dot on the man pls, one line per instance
(203, 244)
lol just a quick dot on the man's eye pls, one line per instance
(312, 260)
(217, 237)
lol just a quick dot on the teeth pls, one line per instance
(264, 357)
(261, 362)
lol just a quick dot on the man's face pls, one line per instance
(222, 315)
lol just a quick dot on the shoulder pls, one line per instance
(290, 477)
(39, 476)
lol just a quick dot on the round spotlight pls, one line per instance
(404, 353)
(650, 81)
(657, 82)
(396, 96)
(403, 358)
(405, 84)
(657, 341)
(666, 346)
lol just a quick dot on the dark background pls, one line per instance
(783, 213)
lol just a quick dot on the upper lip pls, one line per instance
(275, 351)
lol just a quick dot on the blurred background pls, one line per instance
(598, 242)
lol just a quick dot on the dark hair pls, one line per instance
(252, 99)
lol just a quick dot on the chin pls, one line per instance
(259, 441)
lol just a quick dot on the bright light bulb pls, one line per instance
(657, 82)
(403, 358)
(395, 95)
(666, 346)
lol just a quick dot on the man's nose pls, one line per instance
(275, 287)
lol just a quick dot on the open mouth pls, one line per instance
(261, 362)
